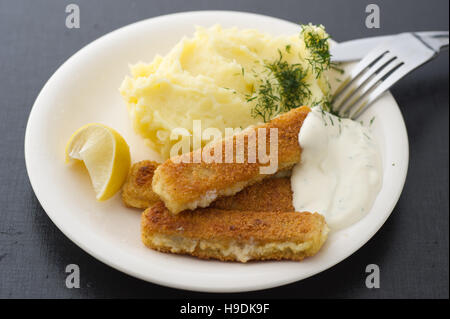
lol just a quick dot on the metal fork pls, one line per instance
(382, 68)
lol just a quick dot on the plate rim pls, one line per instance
(167, 282)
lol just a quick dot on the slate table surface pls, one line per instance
(411, 249)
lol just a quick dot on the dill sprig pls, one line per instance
(283, 89)
(283, 86)
(325, 103)
(337, 67)
(267, 98)
(293, 88)
(316, 41)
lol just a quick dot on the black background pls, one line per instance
(411, 248)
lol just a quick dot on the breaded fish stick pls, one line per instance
(190, 185)
(271, 194)
(230, 235)
(137, 190)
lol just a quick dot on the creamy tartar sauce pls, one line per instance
(340, 172)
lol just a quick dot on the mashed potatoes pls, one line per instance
(211, 77)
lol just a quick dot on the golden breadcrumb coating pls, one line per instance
(271, 194)
(137, 190)
(230, 235)
(190, 185)
(268, 195)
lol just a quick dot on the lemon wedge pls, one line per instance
(105, 154)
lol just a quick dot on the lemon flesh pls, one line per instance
(105, 154)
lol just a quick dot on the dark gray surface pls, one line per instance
(411, 248)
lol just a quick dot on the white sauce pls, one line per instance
(340, 172)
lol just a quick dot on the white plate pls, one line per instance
(85, 89)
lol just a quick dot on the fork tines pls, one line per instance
(378, 71)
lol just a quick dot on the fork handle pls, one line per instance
(436, 40)
(433, 34)
(443, 43)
